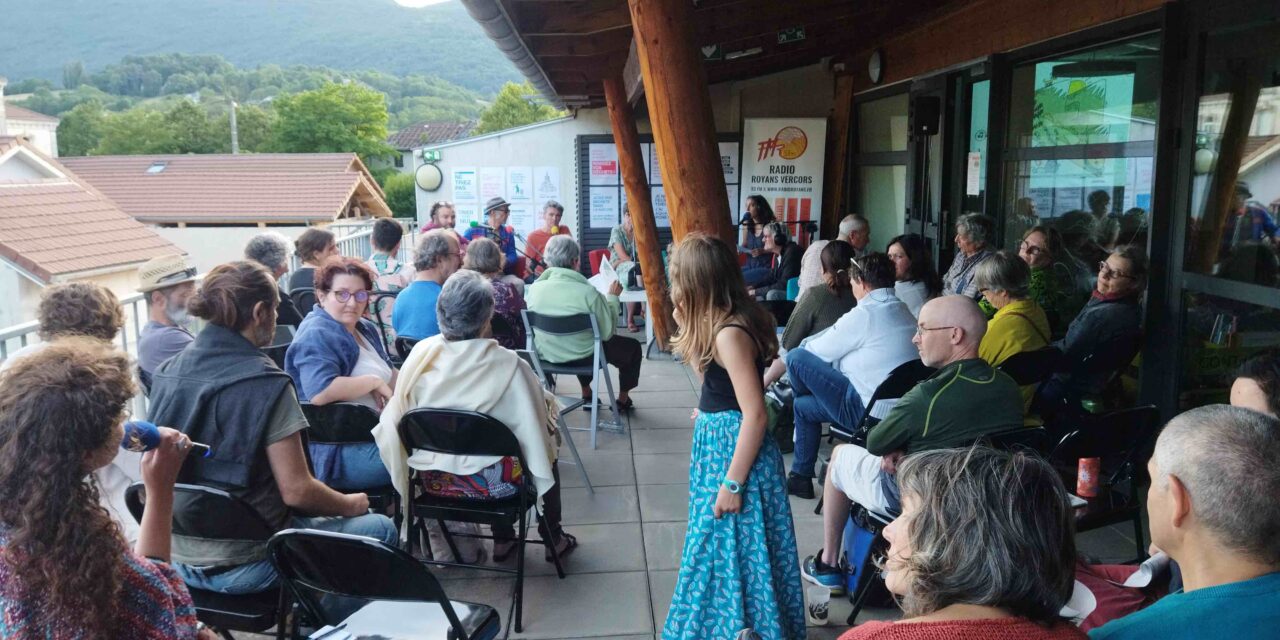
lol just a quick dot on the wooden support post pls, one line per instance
(684, 129)
(631, 162)
(834, 180)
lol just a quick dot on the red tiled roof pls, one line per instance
(61, 227)
(423, 133)
(14, 112)
(224, 188)
(1253, 144)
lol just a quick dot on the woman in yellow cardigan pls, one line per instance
(1019, 324)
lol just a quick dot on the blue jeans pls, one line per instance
(256, 577)
(350, 467)
(822, 394)
(755, 275)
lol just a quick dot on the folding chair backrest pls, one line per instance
(339, 423)
(1123, 439)
(405, 345)
(205, 512)
(457, 432)
(1031, 367)
(899, 381)
(380, 303)
(304, 298)
(560, 325)
(1030, 439)
(312, 561)
(532, 360)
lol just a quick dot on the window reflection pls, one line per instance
(1081, 145)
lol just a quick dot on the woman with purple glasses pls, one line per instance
(337, 356)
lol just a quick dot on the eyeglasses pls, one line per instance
(1032, 249)
(442, 203)
(344, 296)
(920, 330)
(1107, 272)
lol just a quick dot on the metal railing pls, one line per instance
(136, 314)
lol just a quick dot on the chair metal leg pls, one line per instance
(595, 408)
(568, 438)
(613, 400)
(519, 589)
(549, 539)
(448, 539)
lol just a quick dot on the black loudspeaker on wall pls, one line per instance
(926, 113)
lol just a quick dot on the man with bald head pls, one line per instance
(1212, 507)
(962, 401)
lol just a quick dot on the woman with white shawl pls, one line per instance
(463, 368)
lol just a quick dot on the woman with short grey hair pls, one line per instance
(974, 232)
(984, 548)
(1019, 324)
(461, 368)
(563, 252)
(484, 257)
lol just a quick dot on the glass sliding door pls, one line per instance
(880, 162)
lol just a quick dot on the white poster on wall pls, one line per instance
(782, 160)
(493, 182)
(733, 202)
(729, 161)
(546, 184)
(520, 184)
(606, 210)
(655, 170)
(464, 185)
(661, 214)
(524, 218)
(466, 215)
(602, 160)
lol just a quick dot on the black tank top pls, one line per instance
(717, 388)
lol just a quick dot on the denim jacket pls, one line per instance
(323, 350)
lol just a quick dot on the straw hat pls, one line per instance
(165, 271)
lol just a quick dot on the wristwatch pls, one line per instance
(733, 486)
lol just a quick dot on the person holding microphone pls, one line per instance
(66, 570)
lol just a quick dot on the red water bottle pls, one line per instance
(1087, 477)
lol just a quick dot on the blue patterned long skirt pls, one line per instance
(739, 571)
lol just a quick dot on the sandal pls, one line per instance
(501, 554)
(570, 543)
(626, 405)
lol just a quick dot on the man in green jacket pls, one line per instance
(962, 401)
(562, 290)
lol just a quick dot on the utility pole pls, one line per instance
(235, 132)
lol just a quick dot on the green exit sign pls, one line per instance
(791, 34)
(431, 155)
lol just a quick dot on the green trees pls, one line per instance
(516, 104)
(335, 117)
(81, 129)
(398, 187)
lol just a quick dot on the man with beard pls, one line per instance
(168, 281)
(222, 390)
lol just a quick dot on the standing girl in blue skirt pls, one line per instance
(738, 569)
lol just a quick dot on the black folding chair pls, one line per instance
(532, 361)
(380, 303)
(1033, 440)
(781, 310)
(205, 512)
(467, 433)
(404, 346)
(1031, 367)
(902, 379)
(1123, 440)
(408, 602)
(304, 298)
(344, 423)
(280, 344)
(593, 365)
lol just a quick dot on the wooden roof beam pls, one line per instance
(569, 18)
(594, 44)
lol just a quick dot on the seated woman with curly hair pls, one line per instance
(65, 569)
(984, 550)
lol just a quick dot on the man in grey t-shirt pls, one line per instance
(168, 281)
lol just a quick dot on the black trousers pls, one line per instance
(624, 353)
(551, 511)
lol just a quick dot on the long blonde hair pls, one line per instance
(708, 293)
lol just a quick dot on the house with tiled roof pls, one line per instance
(54, 227)
(408, 140)
(210, 204)
(39, 129)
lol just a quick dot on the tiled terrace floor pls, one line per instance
(630, 532)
